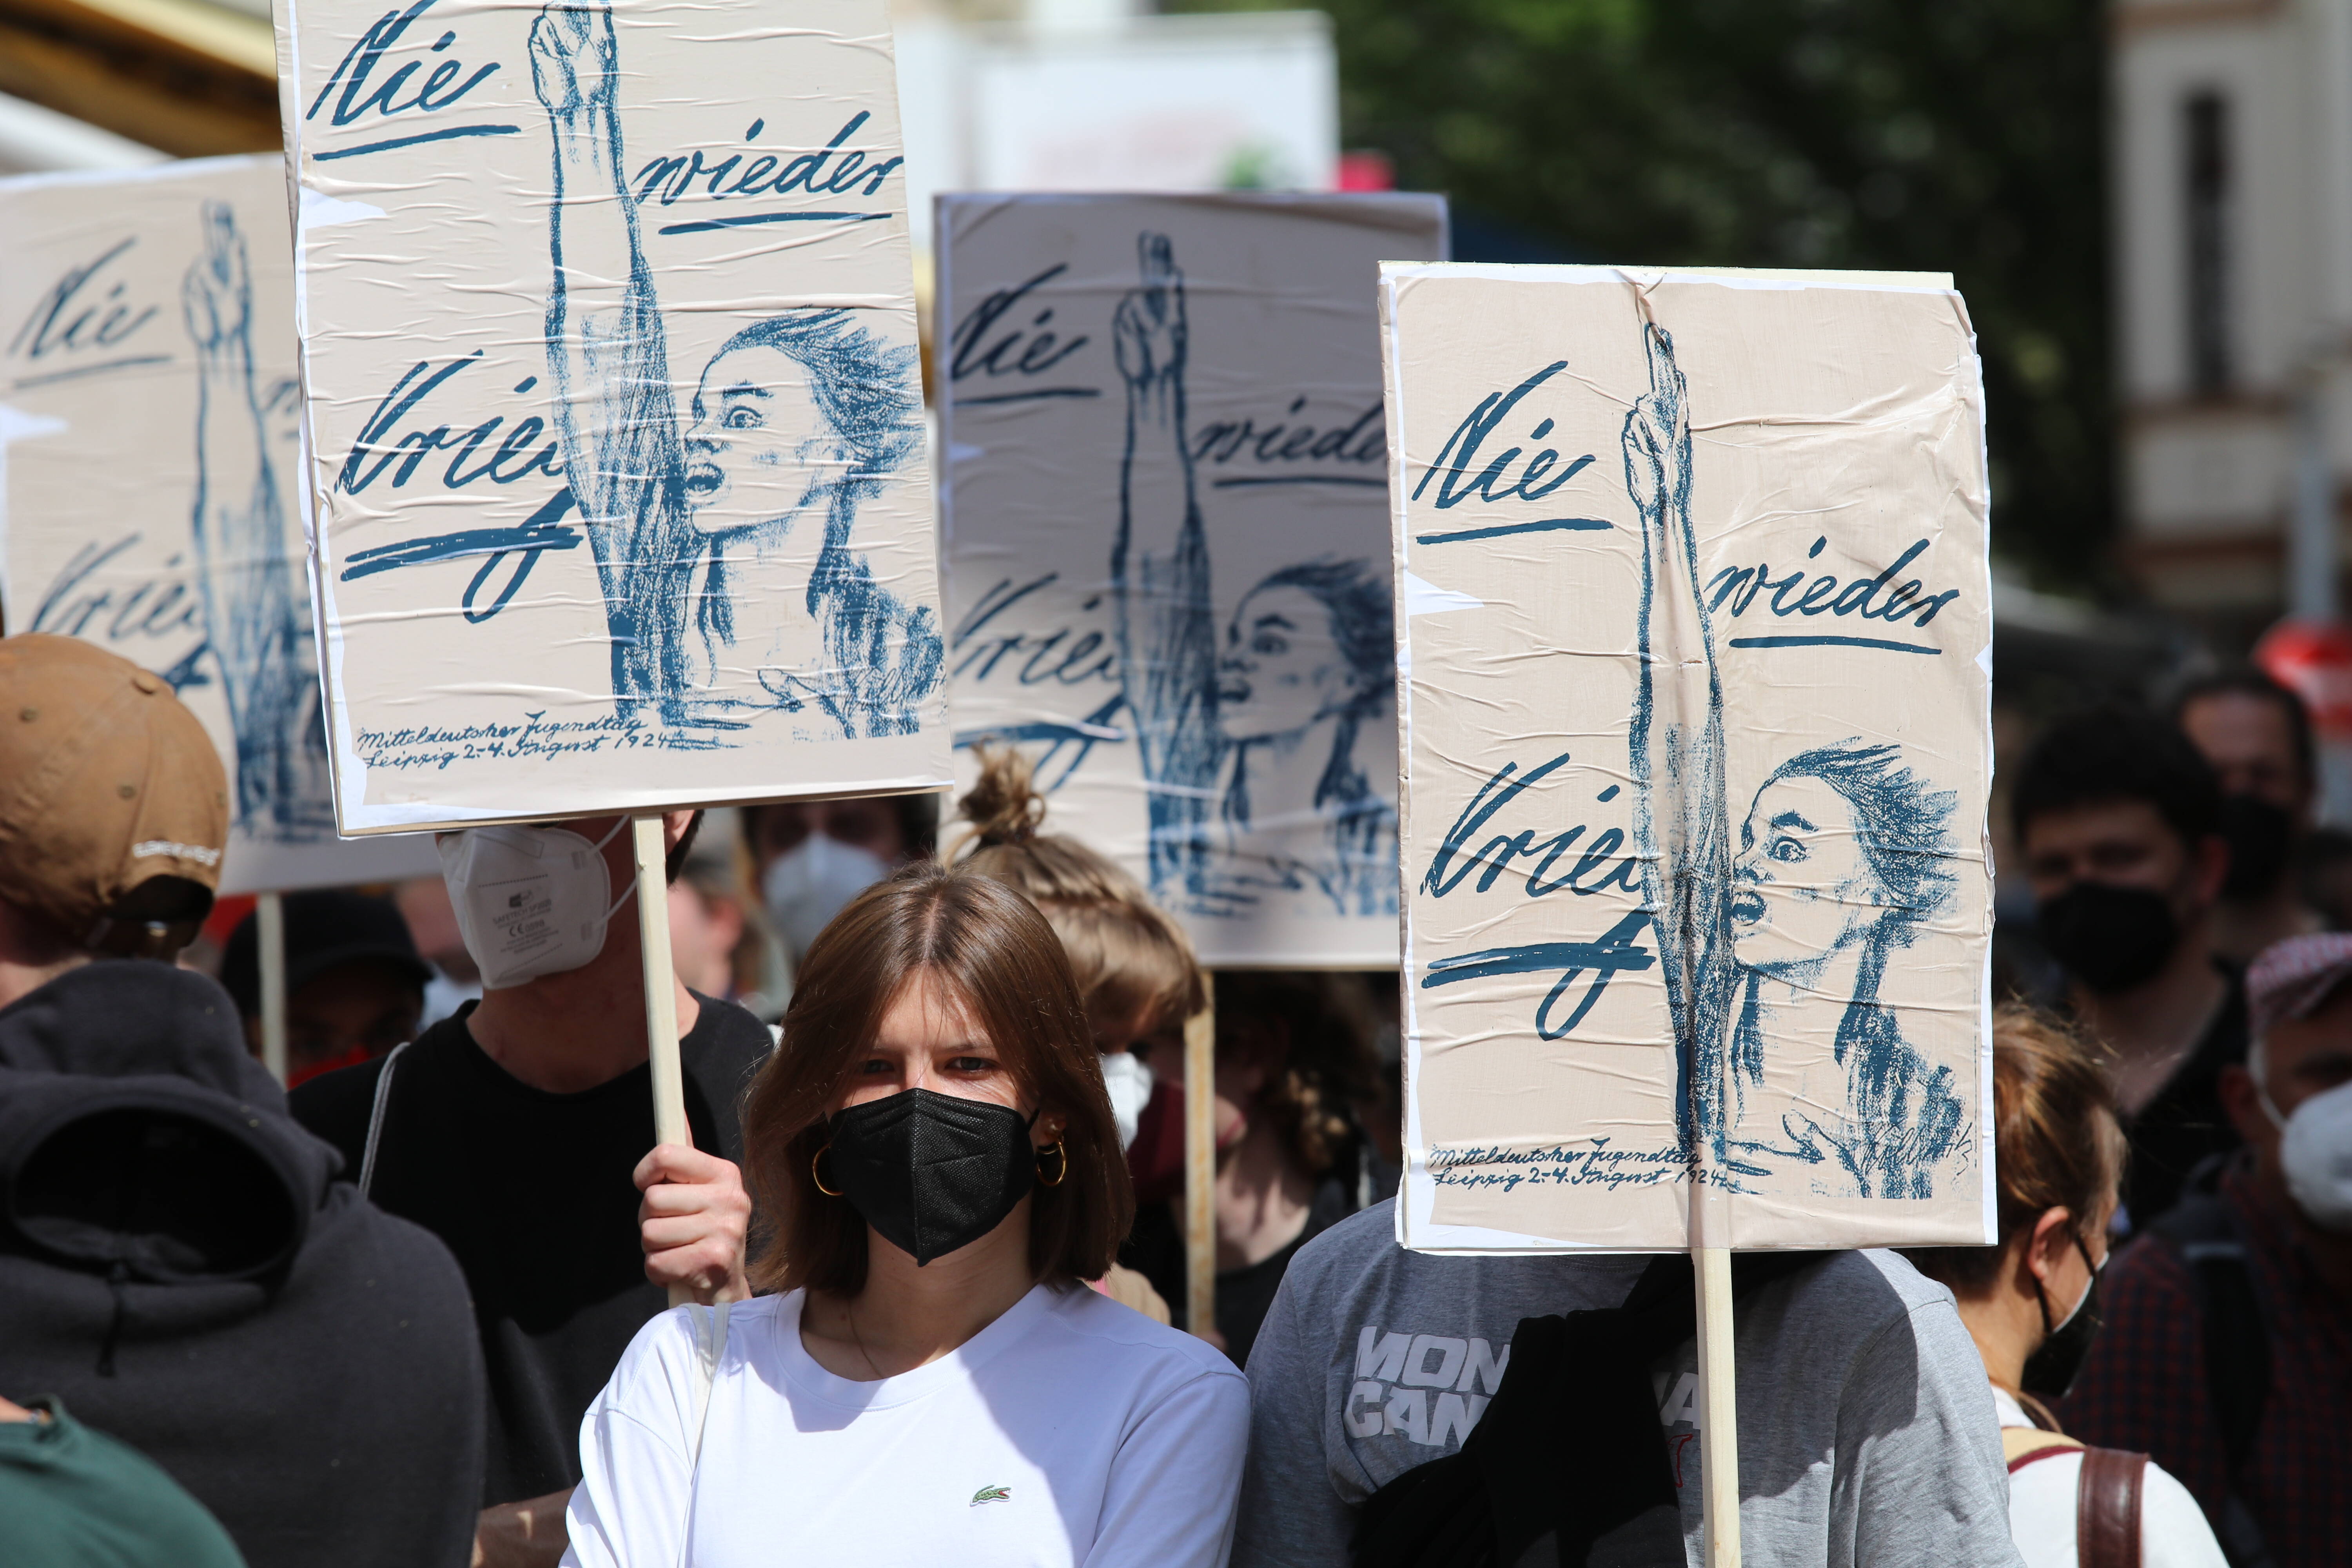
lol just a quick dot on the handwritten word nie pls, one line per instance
(80, 315)
(986, 344)
(439, 90)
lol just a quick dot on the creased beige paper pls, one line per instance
(1167, 530)
(620, 491)
(1696, 637)
(149, 441)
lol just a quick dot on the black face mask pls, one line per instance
(2259, 834)
(932, 1172)
(2050, 1370)
(2107, 936)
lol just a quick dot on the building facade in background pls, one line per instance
(2233, 160)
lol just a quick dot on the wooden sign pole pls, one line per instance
(661, 995)
(1200, 1161)
(1718, 1408)
(269, 928)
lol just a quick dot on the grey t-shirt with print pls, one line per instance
(1866, 1436)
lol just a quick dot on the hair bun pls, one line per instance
(1003, 807)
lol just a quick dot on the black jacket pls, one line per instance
(179, 1263)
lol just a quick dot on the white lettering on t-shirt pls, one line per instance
(1408, 1412)
(1391, 1371)
(1451, 1354)
(1383, 1360)
(1681, 1407)
(1482, 1365)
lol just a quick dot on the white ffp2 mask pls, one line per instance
(530, 901)
(808, 884)
(2315, 1155)
(1129, 1083)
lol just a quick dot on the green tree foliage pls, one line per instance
(1938, 135)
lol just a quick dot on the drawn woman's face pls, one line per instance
(1803, 887)
(1282, 668)
(760, 450)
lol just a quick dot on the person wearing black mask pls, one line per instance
(927, 1378)
(2256, 735)
(2119, 821)
(2031, 1304)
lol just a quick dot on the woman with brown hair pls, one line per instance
(936, 1168)
(2031, 1305)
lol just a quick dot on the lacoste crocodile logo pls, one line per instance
(991, 1494)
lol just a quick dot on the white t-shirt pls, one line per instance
(1070, 1431)
(2172, 1529)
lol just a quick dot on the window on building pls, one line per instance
(2205, 141)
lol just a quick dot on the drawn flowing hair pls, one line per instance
(1904, 828)
(1904, 825)
(870, 393)
(1362, 612)
(1363, 621)
(1903, 1110)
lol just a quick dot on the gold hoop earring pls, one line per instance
(814, 1160)
(1062, 1164)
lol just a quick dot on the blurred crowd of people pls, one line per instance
(412, 1307)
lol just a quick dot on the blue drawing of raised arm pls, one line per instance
(1159, 579)
(1310, 661)
(797, 420)
(1842, 857)
(255, 628)
(1680, 834)
(1842, 860)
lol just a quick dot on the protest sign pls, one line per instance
(1166, 553)
(150, 454)
(1694, 590)
(614, 405)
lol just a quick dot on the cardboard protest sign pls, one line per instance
(1694, 590)
(613, 404)
(1166, 545)
(150, 451)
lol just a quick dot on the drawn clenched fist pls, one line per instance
(1657, 433)
(217, 294)
(1148, 331)
(575, 62)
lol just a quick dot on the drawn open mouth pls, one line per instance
(1747, 908)
(1233, 691)
(703, 480)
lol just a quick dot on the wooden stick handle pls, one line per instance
(1201, 1162)
(1718, 1406)
(270, 927)
(661, 995)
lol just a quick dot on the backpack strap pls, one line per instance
(375, 1116)
(2021, 1445)
(2106, 1509)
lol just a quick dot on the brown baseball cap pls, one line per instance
(106, 782)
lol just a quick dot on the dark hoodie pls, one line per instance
(180, 1265)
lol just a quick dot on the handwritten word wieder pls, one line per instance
(987, 344)
(82, 314)
(1736, 588)
(670, 178)
(440, 90)
(1356, 451)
